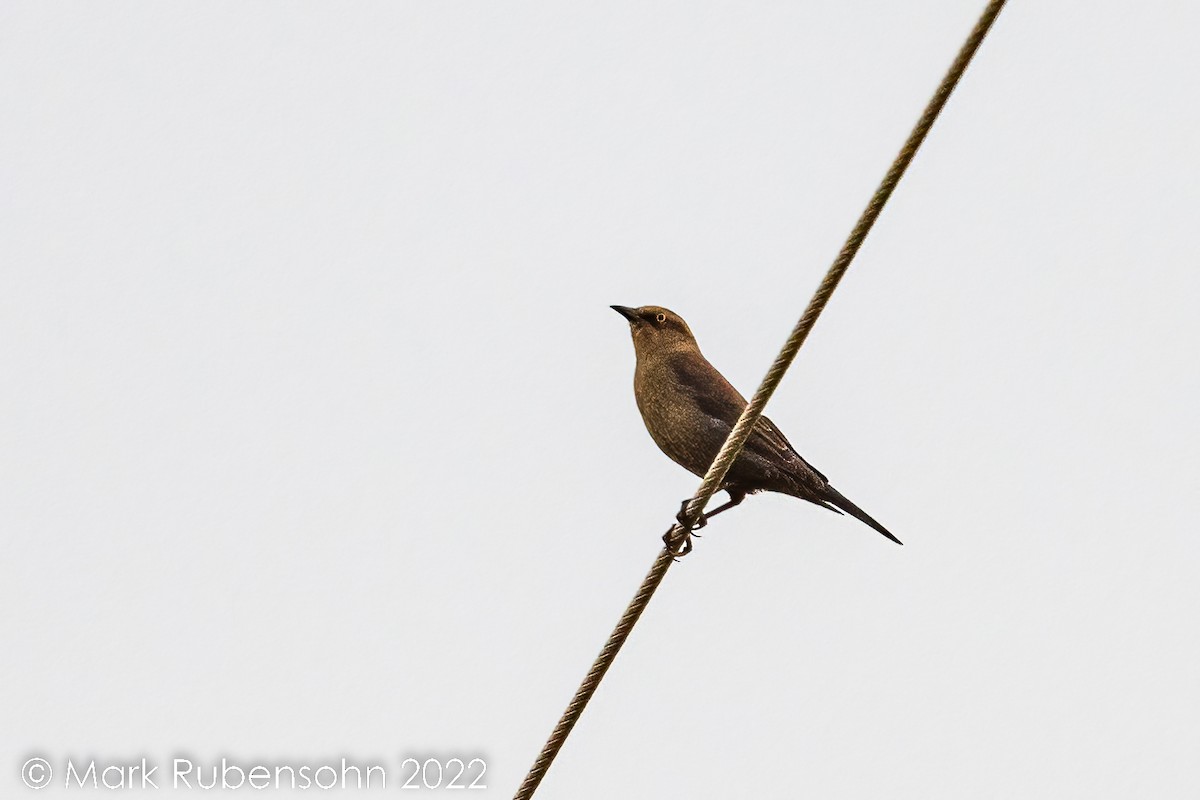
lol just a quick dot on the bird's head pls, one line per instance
(655, 327)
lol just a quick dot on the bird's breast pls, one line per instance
(674, 420)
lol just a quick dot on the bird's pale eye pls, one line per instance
(660, 318)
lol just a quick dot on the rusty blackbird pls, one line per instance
(689, 409)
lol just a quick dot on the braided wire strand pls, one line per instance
(678, 535)
(603, 661)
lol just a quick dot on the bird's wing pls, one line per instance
(776, 437)
(717, 399)
(712, 395)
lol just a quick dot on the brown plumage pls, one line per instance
(689, 409)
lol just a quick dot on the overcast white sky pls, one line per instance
(317, 435)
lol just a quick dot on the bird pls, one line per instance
(689, 408)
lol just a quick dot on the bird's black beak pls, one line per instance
(627, 313)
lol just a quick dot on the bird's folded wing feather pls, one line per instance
(717, 399)
(777, 436)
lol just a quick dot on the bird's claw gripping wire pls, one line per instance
(681, 518)
(678, 538)
(678, 542)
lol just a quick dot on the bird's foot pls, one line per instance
(678, 539)
(678, 542)
(681, 518)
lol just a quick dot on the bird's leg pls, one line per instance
(735, 498)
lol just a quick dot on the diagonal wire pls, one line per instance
(678, 536)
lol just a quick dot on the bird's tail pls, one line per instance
(836, 498)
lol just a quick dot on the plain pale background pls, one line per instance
(317, 435)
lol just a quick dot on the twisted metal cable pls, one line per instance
(678, 536)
